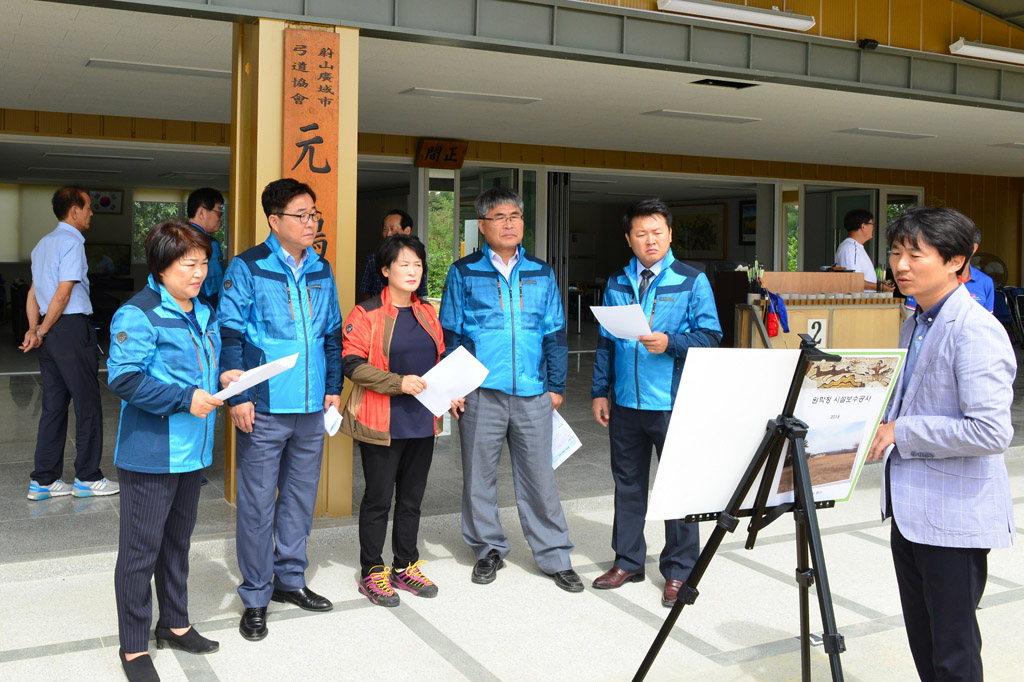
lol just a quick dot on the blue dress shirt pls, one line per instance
(60, 257)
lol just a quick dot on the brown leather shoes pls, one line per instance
(615, 577)
(668, 598)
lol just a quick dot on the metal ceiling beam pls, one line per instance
(600, 33)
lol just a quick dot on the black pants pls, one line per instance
(632, 434)
(68, 369)
(158, 514)
(398, 470)
(940, 588)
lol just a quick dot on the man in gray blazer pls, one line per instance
(944, 481)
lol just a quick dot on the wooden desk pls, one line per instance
(870, 323)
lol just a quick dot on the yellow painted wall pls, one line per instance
(993, 202)
(928, 25)
(10, 233)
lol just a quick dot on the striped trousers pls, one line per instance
(158, 514)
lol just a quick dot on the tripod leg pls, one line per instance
(804, 578)
(833, 641)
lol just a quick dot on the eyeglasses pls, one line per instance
(304, 217)
(502, 219)
(218, 211)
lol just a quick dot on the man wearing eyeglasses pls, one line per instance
(504, 307)
(851, 254)
(277, 299)
(205, 208)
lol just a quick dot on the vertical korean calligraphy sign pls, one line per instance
(310, 122)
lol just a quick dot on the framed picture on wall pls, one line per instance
(698, 232)
(748, 223)
(107, 201)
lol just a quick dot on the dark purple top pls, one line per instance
(412, 352)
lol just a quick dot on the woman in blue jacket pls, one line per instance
(163, 365)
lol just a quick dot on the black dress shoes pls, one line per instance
(191, 641)
(254, 624)
(305, 599)
(139, 669)
(486, 569)
(568, 580)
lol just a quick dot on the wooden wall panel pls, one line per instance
(929, 25)
(905, 24)
(873, 20)
(837, 19)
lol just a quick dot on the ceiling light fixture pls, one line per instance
(1011, 145)
(470, 96)
(898, 134)
(71, 170)
(963, 48)
(70, 155)
(157, 68)
(695, 116)
(747, 15)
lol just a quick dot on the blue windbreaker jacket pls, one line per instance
(515, 328)
(679, 303)
(157, 361)
(266, 314)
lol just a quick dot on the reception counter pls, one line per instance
(832, 322)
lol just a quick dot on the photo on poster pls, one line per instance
(831, 454)
(842, 404)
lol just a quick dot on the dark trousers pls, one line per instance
(278, 474)
(158, 514)
(940, 588)
(68, 368)
(632, 434)
(398, 470)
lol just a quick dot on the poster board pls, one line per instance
(726, 397)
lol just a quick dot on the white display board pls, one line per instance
(726, 397)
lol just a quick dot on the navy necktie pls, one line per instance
(647, 275)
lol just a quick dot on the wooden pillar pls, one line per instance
(257, 105)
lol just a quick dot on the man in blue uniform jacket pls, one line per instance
(504, 307)
(279, 298)
(641, 378)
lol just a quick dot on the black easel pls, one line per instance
(784, 428)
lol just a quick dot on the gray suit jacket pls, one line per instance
(948, 475)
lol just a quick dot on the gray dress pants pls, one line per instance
(490, 418)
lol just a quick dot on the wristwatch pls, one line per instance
(39, 332)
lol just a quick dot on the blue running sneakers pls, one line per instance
(95, 488)
(44, 492)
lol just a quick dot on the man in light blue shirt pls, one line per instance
(68, 355)
(205, 209)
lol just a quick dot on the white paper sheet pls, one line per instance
(332, 420)
(454, 377)
(564, 441)
(623, 321)
(257, 375)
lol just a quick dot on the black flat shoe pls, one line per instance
(138, 669)
(568, 580)
(191, 641)
(253, 625)
(486, 569)
(305, 599)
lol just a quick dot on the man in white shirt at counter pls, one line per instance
(851, 254)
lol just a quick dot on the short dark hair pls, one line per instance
(278, 194)
(642, 209)
(204, 197)
(406, 219)
(497, 196)
(857, 217)
(950, 232)
(170, 240)
(66, 197)
(388, 251)
(977, 235)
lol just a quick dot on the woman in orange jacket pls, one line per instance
(390, 341)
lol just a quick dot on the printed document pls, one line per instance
(623, 321)
(257, 375)
(454, 377)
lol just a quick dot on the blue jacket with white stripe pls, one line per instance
(267, 314)
(679, 303)
(158, 359)
(515, 327)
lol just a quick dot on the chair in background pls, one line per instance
(1005, 312)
